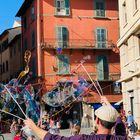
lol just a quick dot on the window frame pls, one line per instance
(33, 12)
(66, 8)
(125, 17)
(33, 39)
(34, 67)
(106, 37)
(103, 10)
(64, 42)
(60, 72)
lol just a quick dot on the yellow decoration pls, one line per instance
(27, 57)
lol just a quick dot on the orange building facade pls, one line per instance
(62, 33)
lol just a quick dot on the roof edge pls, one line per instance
(23, 7)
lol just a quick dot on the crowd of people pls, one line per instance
(110, 125)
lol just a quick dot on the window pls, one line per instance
(62, 37)
(139, 44)
(33, 12)
(135, 4)
(4, 45)
(19, 46)
(124, 13)
(3, 68)
(33, 39)
(62, 7)
(15, 50)
(99, 8)
(34, 66)
(102, 68)
(0, 69)
(7, 67)
(25, 45)
(11, 51)
(24, 23)
(63, 64)
(101, 38)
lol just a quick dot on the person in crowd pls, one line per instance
(94, 131)
(13, 127)
(19, 123)
(75, 130)
(54, 126)
(70, 125)
(130, 119)
(106, 117)
(46, 123)
(18, 134)
(120, 128)
(132, 125)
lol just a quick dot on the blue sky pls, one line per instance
(8, 10)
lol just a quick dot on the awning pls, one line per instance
(97, 105)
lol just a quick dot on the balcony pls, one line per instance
(110, 77)
(77, 44)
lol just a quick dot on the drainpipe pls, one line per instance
(38, 39)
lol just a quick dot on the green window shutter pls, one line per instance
(67, 6)
(99, 67)
(105, 67)
(33, 39)
(65, 36)
(101, 38)
(55, 6)
(102, 67)
(66, 64)
(34, 66)
(63, 64)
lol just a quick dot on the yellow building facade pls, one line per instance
(129, 44)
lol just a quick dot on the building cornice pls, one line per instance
(130, 77)
(129, 32)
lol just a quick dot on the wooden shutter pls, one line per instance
(67, 6)
(34, 66)
(33, 39)
(102, 67)
(55, 6)
(65, 36)
(99, 67)
(63, 64)
(105, 67)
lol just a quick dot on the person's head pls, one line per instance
(18, 131)
(19, 121)
(106, 117)
(76, 130)
(46, 118)
(43, 126)
(95, 129)
(129, 112)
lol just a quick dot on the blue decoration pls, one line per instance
(59, 50)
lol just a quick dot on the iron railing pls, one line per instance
(76, 44)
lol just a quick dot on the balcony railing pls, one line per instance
(76, 44)
(110, 77)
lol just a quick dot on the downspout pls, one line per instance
(38, 40)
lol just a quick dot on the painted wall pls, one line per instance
(81, 25)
